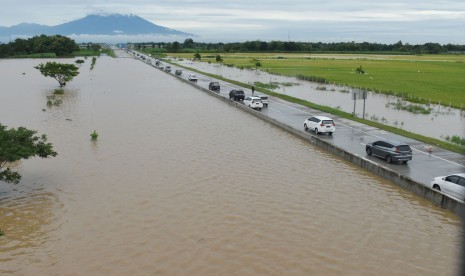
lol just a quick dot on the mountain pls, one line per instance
(109, 25)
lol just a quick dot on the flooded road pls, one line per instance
(442, 121)
(180, 183)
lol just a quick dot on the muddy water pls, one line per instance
(441, 122)
(180, 183)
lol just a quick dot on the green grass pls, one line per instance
(422, 79)
(157, 52)
(41, 55)
(428, 140)
(90, 53)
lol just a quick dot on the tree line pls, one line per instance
(292, 46)
(57, 44)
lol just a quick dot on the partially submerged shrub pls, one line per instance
(94, 135)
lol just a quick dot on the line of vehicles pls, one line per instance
(391, 151)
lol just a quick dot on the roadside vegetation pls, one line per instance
(448, 144)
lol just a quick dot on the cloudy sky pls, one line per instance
(411, 21)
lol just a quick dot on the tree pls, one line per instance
(197, 56)
(219, 59)
(188, 43)
(256, 63)
(62, 72)
(17, 144)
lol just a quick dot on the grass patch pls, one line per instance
(39, 55)
(271, 85)
(413, 108)
(59, 91)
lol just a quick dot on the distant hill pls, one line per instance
(112, 24)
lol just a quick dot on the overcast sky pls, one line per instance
(411, 21)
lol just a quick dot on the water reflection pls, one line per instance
(180, 183)
(381, 108)
(25, 217)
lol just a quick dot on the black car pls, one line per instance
(390, 150)
(214, 85)
(237, 95)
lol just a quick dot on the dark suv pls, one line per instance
(237, 95)
(214, 85)
(390, 150)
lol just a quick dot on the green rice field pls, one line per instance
(426, 78)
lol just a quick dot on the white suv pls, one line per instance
(254, 102)
(320, 124)
(264, 100)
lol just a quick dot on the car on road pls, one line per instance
(320, 124)
(214, 85)
(237, 94)
(264, 100)
(254, 102)
(178, 72)
(192, 78)
(168, 68)
(453, 185)
(392, 151)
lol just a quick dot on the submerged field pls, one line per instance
(435, 78)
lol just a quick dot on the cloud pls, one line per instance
(239, 20)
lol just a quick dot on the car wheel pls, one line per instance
(404, 162)
(368, 150)
(316, 130)
(330, 133)
(436, 187)
(259, 109)
(305, 127)
(389, 159)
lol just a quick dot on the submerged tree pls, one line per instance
(360, 70)
(62, 72)
(17, 144)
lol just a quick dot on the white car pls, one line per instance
(192, 78)
(265, 100)
(254, 102)
(320, 124)
(453, 185)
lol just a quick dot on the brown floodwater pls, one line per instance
(181, 183)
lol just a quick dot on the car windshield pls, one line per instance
(327, 122)
(256, 101)
(264, 98)
(215, 83)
